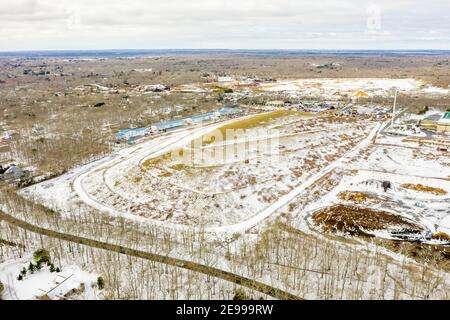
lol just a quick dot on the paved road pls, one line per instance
(193, 266)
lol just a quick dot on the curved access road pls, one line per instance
(189, 265)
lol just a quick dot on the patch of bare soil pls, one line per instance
(422, 188)
(353, 196)
(358, 221)
(441, 236)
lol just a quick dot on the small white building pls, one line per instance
(224, 79)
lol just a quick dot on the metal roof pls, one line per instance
(445, 120)
(434, 117)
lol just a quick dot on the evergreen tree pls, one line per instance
(240, 295)
(41, 256)
(31, 267)
(100, 283)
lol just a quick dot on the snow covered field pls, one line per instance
(358, 87)
(145, 183)
(319, 157)
(399, 163)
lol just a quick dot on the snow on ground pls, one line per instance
(400, 156)
(145, 184)
(215, 194)
(399, 164)
(436, 90)
(412, 132)
(358, 87)
(426, 209)
(45, 283)
(417, 117)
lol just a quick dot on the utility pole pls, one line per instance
(393, 109)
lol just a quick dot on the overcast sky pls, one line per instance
(233, 24)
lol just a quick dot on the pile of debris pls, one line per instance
(422, 188)
(152, 88)
(353, 196)
(364, 221)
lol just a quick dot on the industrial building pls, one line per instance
(443, 125)
(431, 121)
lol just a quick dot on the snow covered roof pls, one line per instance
(225, 79)
(433, 117)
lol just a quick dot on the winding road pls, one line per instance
(165, 144)
(185, 264)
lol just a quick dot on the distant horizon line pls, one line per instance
(218, 49)
(136, 53)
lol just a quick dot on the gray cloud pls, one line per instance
(92, 24)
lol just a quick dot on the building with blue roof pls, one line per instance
(129, 134)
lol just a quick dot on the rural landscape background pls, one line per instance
(183, 172)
